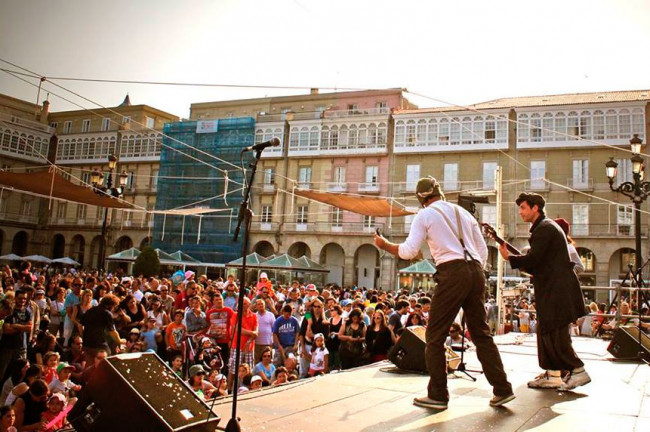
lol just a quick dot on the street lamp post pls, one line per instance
(97, 180)
(637, 190)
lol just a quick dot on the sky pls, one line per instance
(444, 52)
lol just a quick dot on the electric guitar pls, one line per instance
(489, 231)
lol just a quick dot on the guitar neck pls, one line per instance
(492, 233)
(511, 248)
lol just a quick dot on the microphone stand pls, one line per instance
(244, 220)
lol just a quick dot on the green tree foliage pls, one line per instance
(147, 263)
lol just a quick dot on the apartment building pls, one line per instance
(85, 139)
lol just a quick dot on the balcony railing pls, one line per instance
(369, 187)
(17, 217)
(343, 228)
(357, 112)
(337, 187)
(592, 230)
(584, 185)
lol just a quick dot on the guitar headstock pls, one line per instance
(489, 231)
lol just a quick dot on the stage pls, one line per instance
(372, 399)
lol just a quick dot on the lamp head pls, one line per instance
(611, 168)
(635, 144)
(112, 162)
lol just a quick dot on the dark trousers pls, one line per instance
(461, 284)
(555, 350)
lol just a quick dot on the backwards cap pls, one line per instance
(427, 188)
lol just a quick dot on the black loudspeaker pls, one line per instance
(138, 392)
(408, 352)
(625, 344)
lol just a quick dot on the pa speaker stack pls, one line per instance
(625, 344)
(138, 392)
(408, 352)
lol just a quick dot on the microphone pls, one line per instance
(273, 142)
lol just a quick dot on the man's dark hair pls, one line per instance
(532, 199)
(287, 308)
(402, 304)
(424, 300)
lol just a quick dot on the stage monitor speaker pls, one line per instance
(408, 352)
(625, 344)
(138, 392)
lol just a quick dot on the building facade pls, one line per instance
(85, 139)
(369, 142)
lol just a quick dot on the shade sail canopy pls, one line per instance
(48, 183)
(362, 204)
(420, 267)
(37, 258)
(252, 260)
(66, 261)
(128, 255)
(10, 257)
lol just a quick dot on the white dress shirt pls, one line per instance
(430, 226)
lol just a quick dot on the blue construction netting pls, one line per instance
(184, 181)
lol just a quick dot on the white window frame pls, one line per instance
(450, 176)
(372, 175)
(82, 211)
(412, 176)
(304, 177)
(337, 218)
(269, 176)
(106, 124)
(580, 219)
(624, 220)
(580, 173)
(67, 127)
(302, 215)
(149, 122)
(537, 174)
(85, 125)
(267, 214)
(61, 210)
(489, 175)
(339, 175)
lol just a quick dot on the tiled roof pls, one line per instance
(548, 100)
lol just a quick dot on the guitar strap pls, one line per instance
(459, 234)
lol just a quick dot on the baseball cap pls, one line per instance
(263, 275)
(256, 378)
(346, 302)
(58, 396)
(63, 365)
(135, 331)
(196, 369)
(427, 188)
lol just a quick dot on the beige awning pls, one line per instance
(362, 204)
(46, 183)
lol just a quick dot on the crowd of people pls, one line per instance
(56, 328)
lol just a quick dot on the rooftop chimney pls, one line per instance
(45, 112)
(313, 91)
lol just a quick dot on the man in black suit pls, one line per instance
(557, 293)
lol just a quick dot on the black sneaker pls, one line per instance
(497, 401)
(426, 402)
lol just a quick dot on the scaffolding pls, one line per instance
(185, 182)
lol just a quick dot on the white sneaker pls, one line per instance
(576, 378)
(546, 380)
